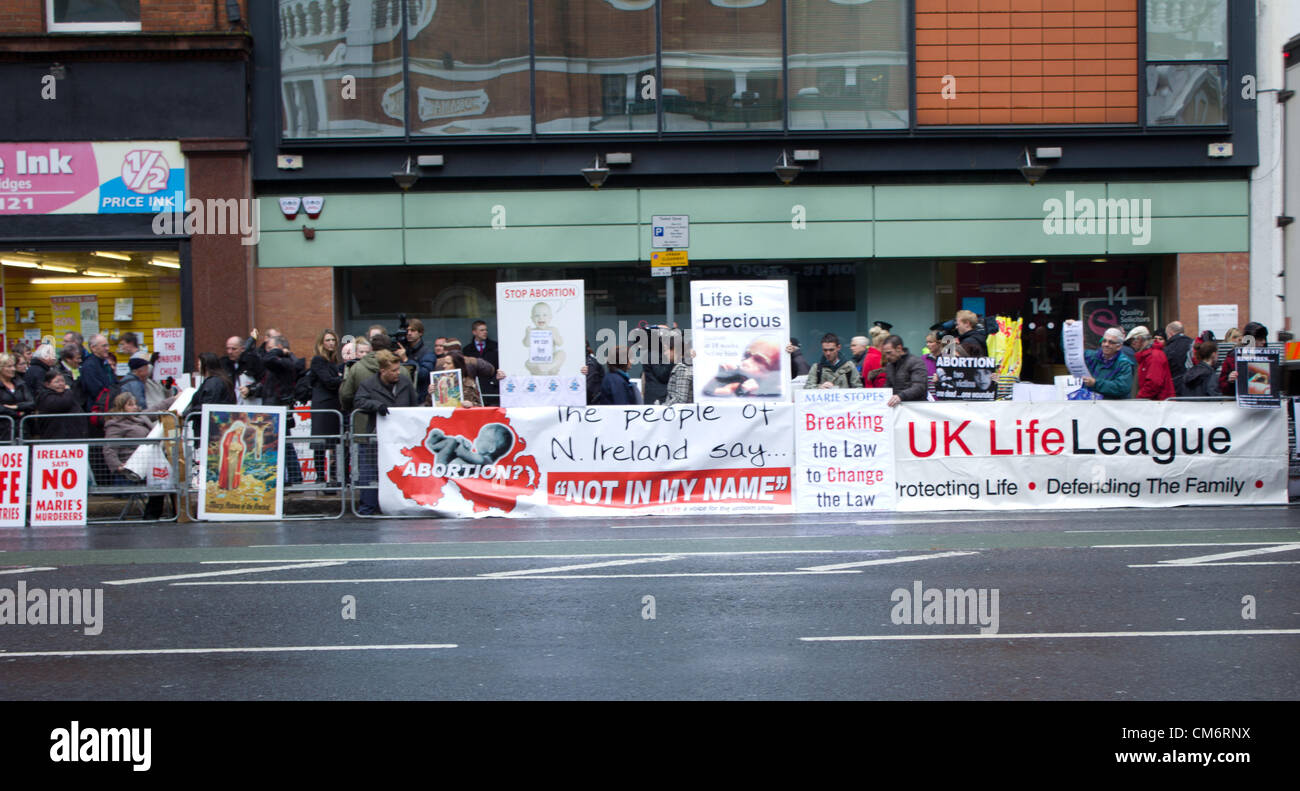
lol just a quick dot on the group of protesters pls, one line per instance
(1134, 364)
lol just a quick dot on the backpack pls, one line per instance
(302, 389)
(102, 404)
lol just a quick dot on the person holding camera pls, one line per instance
(279, 381)
(410, 336)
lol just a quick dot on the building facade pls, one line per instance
(116, 113)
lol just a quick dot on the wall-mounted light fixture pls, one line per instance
(406, 178)
(595, 173)
(786, 170)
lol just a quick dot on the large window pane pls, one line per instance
(88, 11)
(848, 64)
(1187, 29)
(469, 67)
(341, 68)
(595, 65)
(722, 65)
(1186, 95)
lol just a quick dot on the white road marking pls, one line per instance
(721, 553)
(1164, 564)
(1209, 544)
(24, 571)
(257, 650)
(625, 562)
(254, 570)
(1241, 553)
(1049, 635)
(1173, 530)
(547, 577)
(883, 561)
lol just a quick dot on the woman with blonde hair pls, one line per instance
(15, 399)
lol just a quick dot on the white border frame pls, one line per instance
(85, 27)
(279, 472)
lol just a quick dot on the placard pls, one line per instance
(845, 449)
(59, 478)
(740, 329)
(1259, 377)
(242, 475)
(1072, 346)
(170, 344)
(13, 486)
(446, 388)
(965, 379)
(541, 332)
(79, 313)
(1216, 318)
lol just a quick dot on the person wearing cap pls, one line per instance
(149, 395)
(1154, 379)
(1110, 373)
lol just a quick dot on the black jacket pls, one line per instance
(656, 381)
(486, 384)
(1200, 380)
(325, 380)
(977, 336)
(1178, 352)
(250, 362)
(21, 399)
(52, 403)
(373, 394)
(595, 375)
(35, 376)
(280, 375)
(214, 390)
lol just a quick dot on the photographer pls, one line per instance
(410, 336)
(278, 384)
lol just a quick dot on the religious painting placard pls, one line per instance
(243, 462)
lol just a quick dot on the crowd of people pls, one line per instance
(1137, 364)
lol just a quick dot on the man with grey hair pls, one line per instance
(1110, 373)
(858, 348)
(1178, 351)
(98, 381)
(43, 359)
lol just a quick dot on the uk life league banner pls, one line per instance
(541, 340)
(1061, 455)
(966, 379)
(587, 461)
(739, 330)
(844, 442)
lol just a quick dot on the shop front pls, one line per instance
(911, 256)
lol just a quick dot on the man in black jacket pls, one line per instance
(484, 348)
(375, 396)
(280, 376)
(1178, 351)
(242, 358)
(906, 372)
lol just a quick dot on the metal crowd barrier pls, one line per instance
(314, 486)
(127, 474)
(365, 468)
(7, 435)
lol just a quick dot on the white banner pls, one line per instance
(13, 486)
(739, 330)
(170, 345)
(571, 461)
(845, 448)
(1106, 454)
(541, 332)
(59, 474)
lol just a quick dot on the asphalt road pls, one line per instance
(1110, 605)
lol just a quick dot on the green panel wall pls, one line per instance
(853, 222)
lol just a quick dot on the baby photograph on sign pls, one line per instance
(242, 476)
(541, 327)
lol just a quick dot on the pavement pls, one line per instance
(1124, 604)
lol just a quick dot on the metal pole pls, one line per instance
(669, 318)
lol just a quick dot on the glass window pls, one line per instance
(1187, 29)
(848, 64)
(595, 66)
(469, 67)
(1186, 95)
(722, 66)
(92, 15)
(341, 70)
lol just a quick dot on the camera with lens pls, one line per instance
(401, 335)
